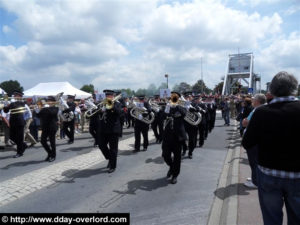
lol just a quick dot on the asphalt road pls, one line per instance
(138, 186)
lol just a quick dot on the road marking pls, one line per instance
(20, 186)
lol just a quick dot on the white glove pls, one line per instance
(103, 109)
(140, 116)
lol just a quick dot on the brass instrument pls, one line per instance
(193, 118)
(137, 113)
(66, 116)
(91, 108)
(18, 110)
(156, 106)
(107, 103)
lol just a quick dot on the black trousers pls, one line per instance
(169, 147)
(158, 134)
(68, 128)
(93, 131)
(137, 133)
(192, 134)
(49, 133)
(108, 144)
(201, 128)
(17, 136)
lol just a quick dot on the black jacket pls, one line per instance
(48, 118)
(110, 120)
(274, 129)
(16, 119)
(175, 124)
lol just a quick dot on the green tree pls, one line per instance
(10, 86)
(182, 87)
(218, 88)
(200, 87)
(151, 90)
(88, 88)
(162, 86)
(299, 90)
(141, 91)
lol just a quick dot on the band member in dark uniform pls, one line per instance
(158, 121)
(17, 122)
(174, 135)
(190, 129)
(141, 127)
(48, 115)
(68, 126)
(201, 127)
(110, 129)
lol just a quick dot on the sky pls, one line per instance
(115, 44)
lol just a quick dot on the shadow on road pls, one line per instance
(72, 174)
(157, 160)
(145, 185)
(19, 164)
(231, 190)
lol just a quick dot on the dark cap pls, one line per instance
(16, 92)
(51, 99)
(187, 93)
(141, 97)
(175, 92)
(117, 92)
(156, 96)
(108, 92)
(71, 96)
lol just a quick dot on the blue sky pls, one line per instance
(131, 44)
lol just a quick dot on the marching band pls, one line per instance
(176, 121)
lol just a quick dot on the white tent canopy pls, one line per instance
(2, 92)
(53, 88)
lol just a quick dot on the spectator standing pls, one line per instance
(274, 128)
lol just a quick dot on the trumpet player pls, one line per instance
(110, 129)
(17, 122)
(140, 127)
(174, 135)
(48, 115)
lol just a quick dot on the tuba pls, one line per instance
(66, 116)
(92, 108)
(137, 113)
(193, 118)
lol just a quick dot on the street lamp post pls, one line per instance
(167, 76)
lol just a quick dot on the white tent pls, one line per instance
(2, 92)
(53, 88)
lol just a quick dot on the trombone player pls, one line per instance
(110, 129)
(17, 122)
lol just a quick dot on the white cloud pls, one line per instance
(118, 44)
(6, 29)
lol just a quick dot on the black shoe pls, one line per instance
(190, 156)
(51, 159)
(108, 165)
(18, 155)
(183, 153)
(70, 142)
(136, 150)
(47, 159)
(157, 141)
(174, 180)
(111, 170)
(169, 174)
(145, 149)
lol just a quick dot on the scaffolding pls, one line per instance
(240, 68)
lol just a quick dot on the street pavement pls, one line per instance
(78, 181)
